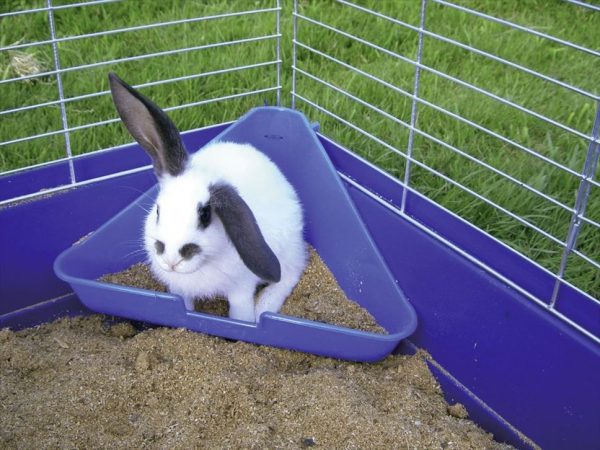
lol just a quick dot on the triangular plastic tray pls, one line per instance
(333, 227)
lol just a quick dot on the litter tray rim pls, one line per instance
(270, 316)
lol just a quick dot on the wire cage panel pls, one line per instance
(460, 104)
(189, 56)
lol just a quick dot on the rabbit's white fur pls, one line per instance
(218, 268)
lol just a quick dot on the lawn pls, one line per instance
(442, 143)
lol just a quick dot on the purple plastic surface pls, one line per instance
(333, 227)
(531, 369)
(503, 357)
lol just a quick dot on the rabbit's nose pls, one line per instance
(173, 265)
(170, 262)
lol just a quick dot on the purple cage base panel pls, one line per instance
(508, 361)
(332, 226)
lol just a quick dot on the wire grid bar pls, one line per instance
(278, 49)
(591, 163)
(64, 187)
(109, 121)
(450, 78)
(142, 57)
(441, 175)
(583, 4)
(58, 7)
(475, 50)
(449, 113)
(473, 259)
(61, 93)
(399, 152)
(140, 28)
(152, 83)
(414, 104)
(510, 24)
(294, 50)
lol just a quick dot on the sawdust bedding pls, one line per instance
(317, 296)
(91, 382)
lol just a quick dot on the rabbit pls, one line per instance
(226, 220)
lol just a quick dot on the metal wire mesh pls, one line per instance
(446, 132)
(54, 77)
(493, 117)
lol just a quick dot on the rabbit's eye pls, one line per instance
(160, 247)
(189, 250)
(204, 216)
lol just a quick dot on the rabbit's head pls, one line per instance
(195, 217)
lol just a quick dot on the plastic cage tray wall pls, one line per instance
(513, 365)
(333, 227)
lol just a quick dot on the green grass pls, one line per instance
(549, 16)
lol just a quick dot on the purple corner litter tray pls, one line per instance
(333, 227)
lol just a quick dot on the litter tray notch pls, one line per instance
(332, 226)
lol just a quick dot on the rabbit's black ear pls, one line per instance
(150, 126)
(242, 229)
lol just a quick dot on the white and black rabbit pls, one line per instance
(225, 221)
